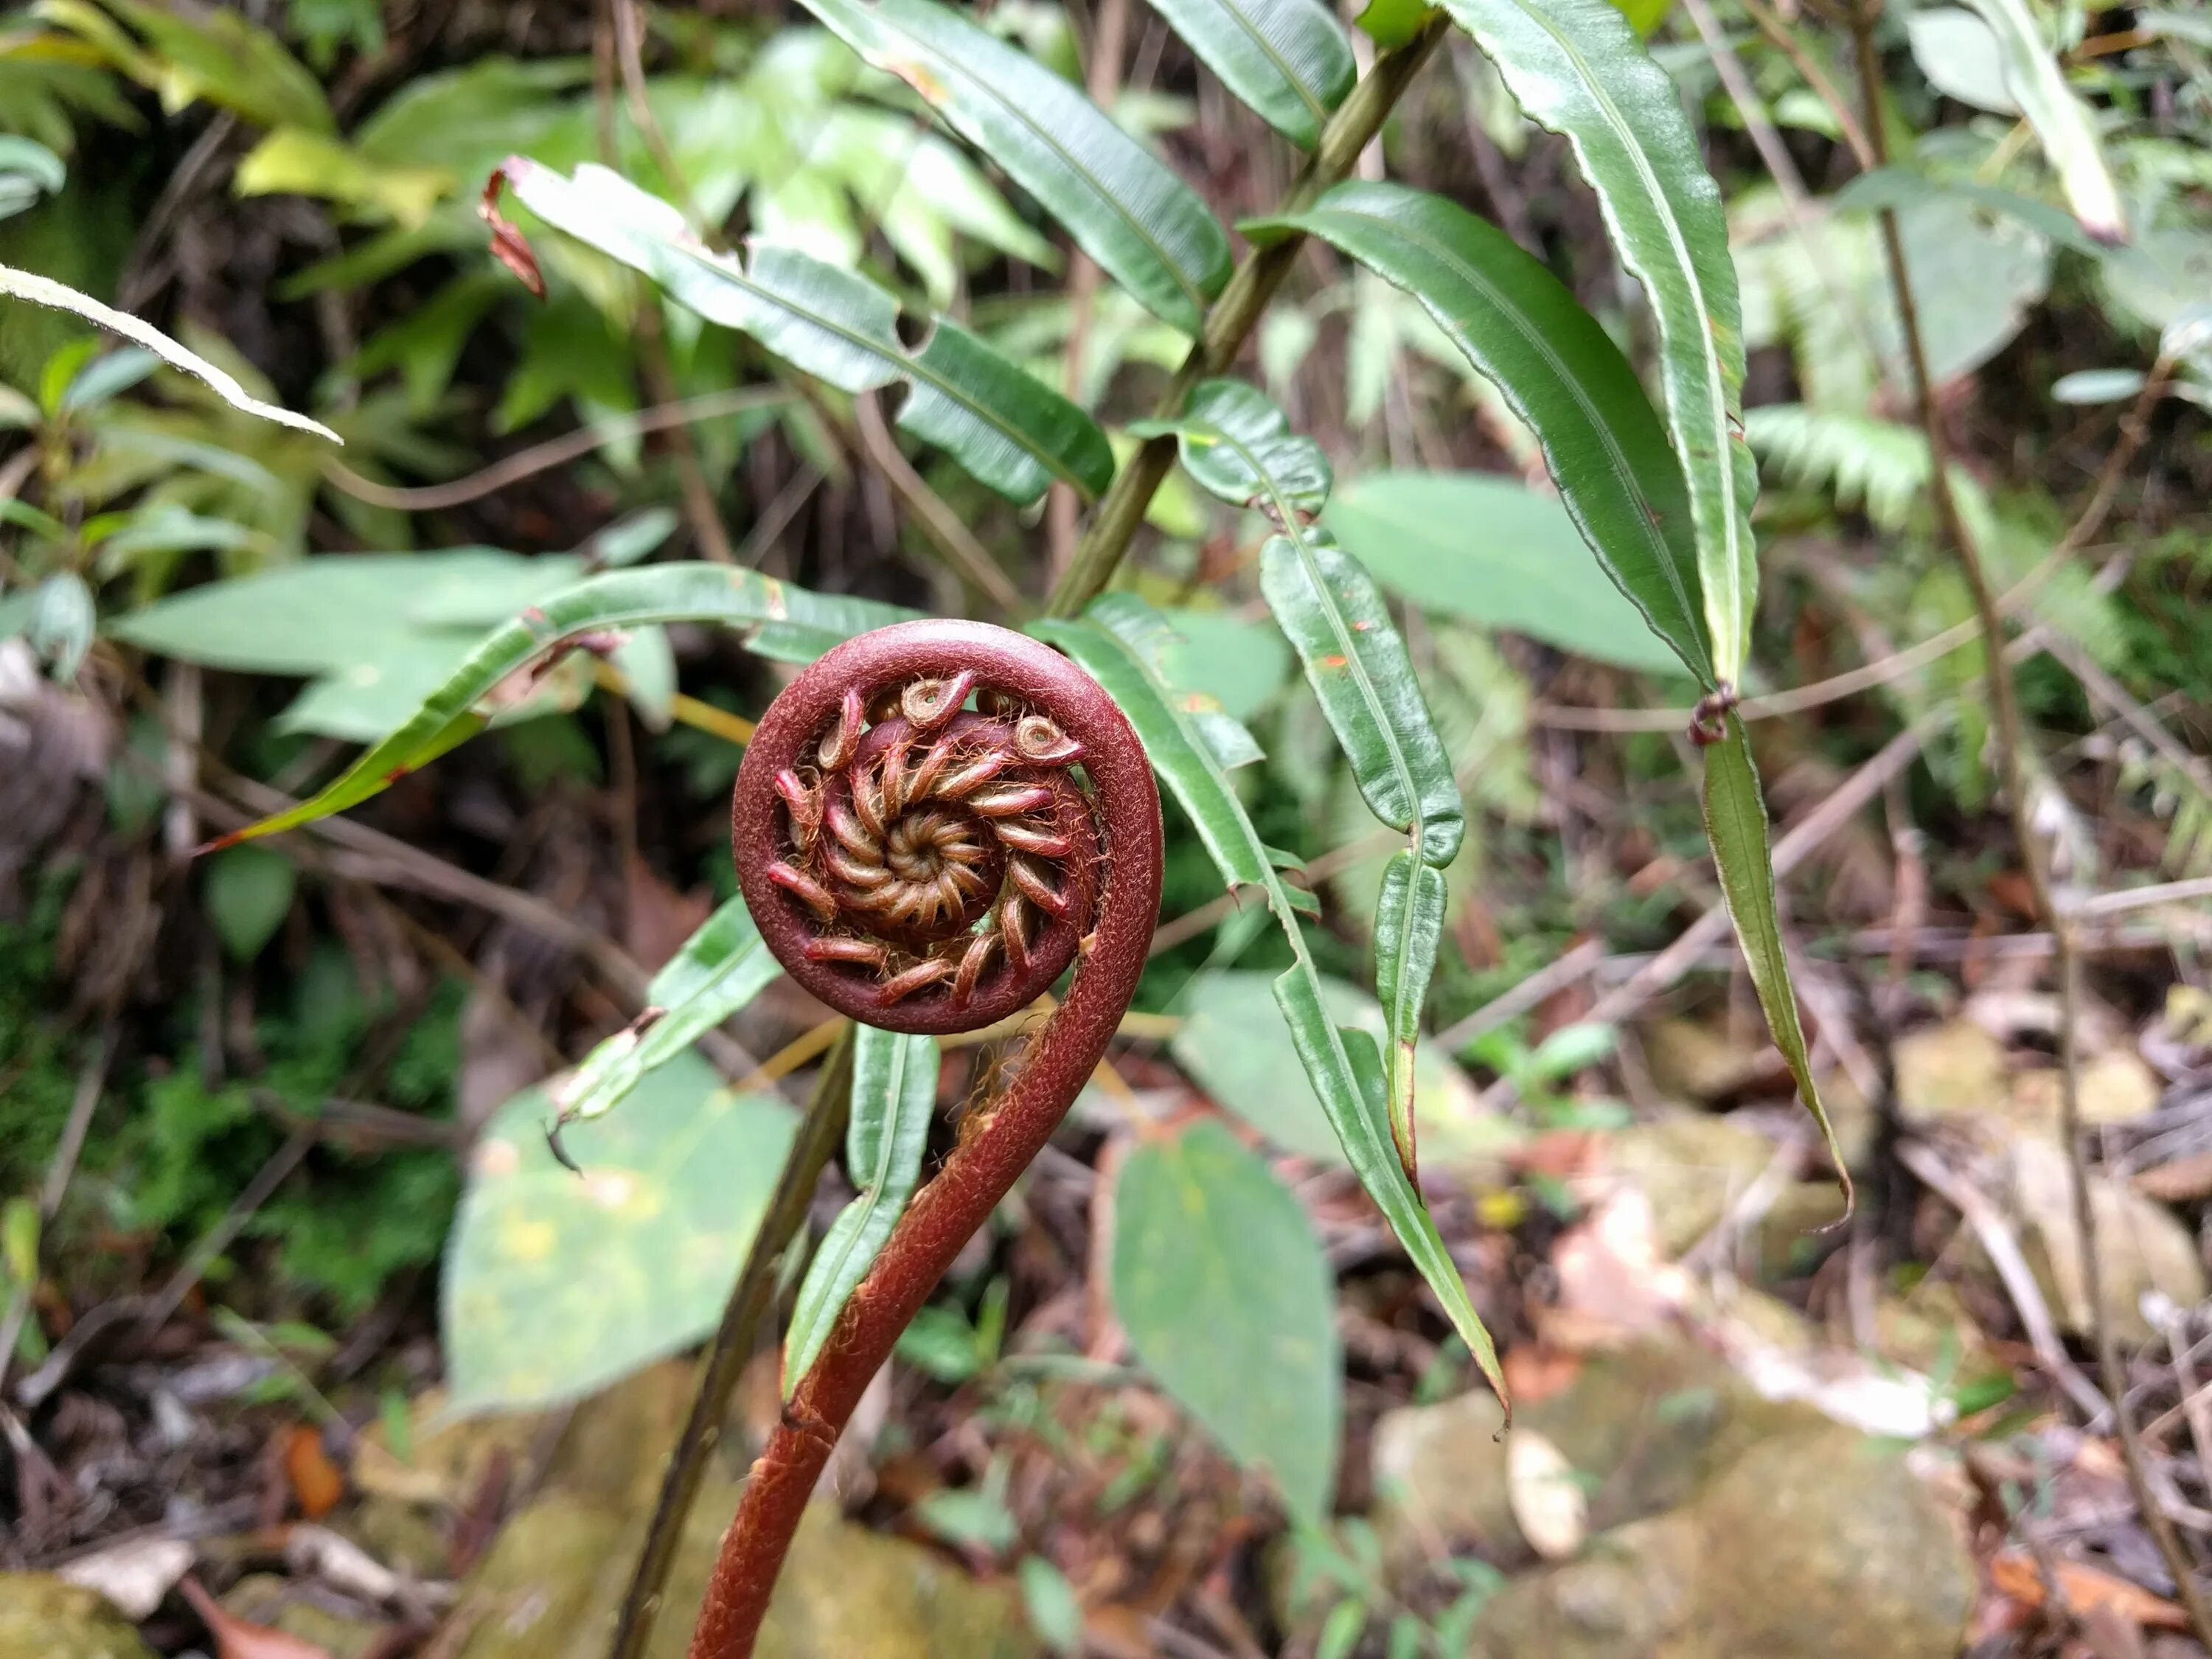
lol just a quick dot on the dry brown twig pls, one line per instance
(552, 453)
(938, 521)
(1816, 78)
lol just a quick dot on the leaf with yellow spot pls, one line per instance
(556, 1285)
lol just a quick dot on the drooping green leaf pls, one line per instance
(719, 970)
(501, 666)
(1005, 426)
(1287, 58)
(1145, 227)
(1239, 445)
(2062, 121)
(1489, 550)
(1235, 443)
(1346, 1068)
(1217, 671)
(45, 291)
(248, 894)
(894, 1097)
(1736, 825)
(1577, 68)
(1521, 329)
(556, 1285)
(1222, 1287)
(1108, 642)
(1363, 680)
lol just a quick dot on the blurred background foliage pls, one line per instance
(318, 1067)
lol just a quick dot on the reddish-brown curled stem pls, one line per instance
(851, 832)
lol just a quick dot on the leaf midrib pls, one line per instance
(1715, 391)
(899, 358)
(1195, 295)
(1507, 307)
(1314, 107)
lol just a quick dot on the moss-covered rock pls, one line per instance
(41, 1616)
(1645, 1426)
(552, 1582)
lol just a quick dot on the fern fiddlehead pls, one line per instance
(926, 867)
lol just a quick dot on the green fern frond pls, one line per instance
(1865, 465)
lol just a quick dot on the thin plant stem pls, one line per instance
(2135, 426)
(940, 523)
(1815, 77)
(2015, 775)
(554, 452)
(1231, 318)
(820, 1134)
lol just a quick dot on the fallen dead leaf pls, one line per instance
(2086, 1589)
(316, 1481)
(236, 1639)
(318, 1552)
(1613, 1282)
(2182, 1180)
(1549, 1505)
(1536, 1372)
(135, 1576)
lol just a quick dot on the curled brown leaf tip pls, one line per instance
(508, 244)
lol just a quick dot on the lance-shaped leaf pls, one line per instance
(45, 291)
(1357, 664)
(1237, 444)
(1344, 1068)
(1521, 328)
(1577, 67)
(2062, 121)
(721, 968)
(1145, 227)
(894, 1094)
(1288, 59)
(502, 671)
(1735, 823)
(1004, 425)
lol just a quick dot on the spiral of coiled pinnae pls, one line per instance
(929, 867)
(913, 833)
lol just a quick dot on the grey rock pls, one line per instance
(1808, 1545)
(1647, 1425)
(1690, 1168)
